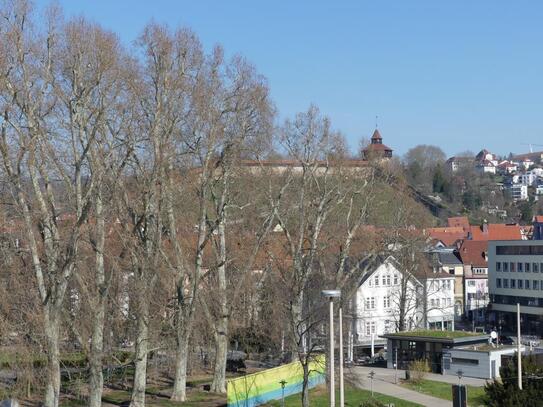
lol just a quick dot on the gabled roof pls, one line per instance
(376, 135)
(458, 221)
(371, 265)
(447, 235)
(448, 257)
(473, 252)
(495, 231)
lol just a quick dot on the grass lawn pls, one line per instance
(444, 391)
(318, 397)
(427, 333)
(157, 398)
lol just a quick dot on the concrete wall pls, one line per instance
(482, 369)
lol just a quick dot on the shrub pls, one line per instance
(418, 370)
(371, 403)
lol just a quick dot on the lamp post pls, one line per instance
(519, 355)
(341, 392)
(283, 382)
(372, 373)
(331, 294)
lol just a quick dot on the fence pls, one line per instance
(258, 388)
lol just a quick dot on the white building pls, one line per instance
(529, 178)
(486, 167)
(376, 304)
(518, 192)
(440, 297)
(515, 276)
(526, 163)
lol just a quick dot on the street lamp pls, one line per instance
(371, 375)
(331, 294)
(283, 382)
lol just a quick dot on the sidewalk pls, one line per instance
(388, 376)
(358, 376)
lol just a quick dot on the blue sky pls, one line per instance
(458, 74)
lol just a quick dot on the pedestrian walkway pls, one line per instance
(381, 384)
(389, 375)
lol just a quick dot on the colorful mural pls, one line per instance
(258, 388)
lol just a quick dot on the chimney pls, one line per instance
(484, 226)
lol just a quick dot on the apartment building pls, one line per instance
(516, 276)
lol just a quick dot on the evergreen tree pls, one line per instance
(505, 393)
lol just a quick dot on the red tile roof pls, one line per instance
(495, 231)
(447, 235)
(376, 135)
(459, 221)
(473, 252)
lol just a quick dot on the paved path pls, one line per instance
(359, 377)
(383, 382)
(388, 375)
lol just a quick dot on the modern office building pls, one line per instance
(515, 275)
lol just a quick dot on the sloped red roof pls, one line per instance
(458, 221)
(447, 235)
(473, 252)
(377, 147)
(496, 231)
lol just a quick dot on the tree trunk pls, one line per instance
(221, 327)
(179, 392)
(52, 325)
(95, 358)
(97, 338)
(305, 385)
(140, 373)
(221, 353)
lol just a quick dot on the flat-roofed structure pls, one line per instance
(482, 361)
(427, 344)
(515, 275)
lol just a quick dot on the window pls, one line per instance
(449, 302)
(395, 279)
(505, 283)
(370, 328)
(433, 302)
(498, 283)
(388, 279)
(471, 283)
(376, 281)
(513, 283)
(437, 302)
(535, 267)
(527, 267)
(370, 303)
(498, 266)
(519, 267)
(527, 284)
(386, 302)
(512, 267)
(519, 283)
(463, 361)
(535, 284)
(505, 266)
